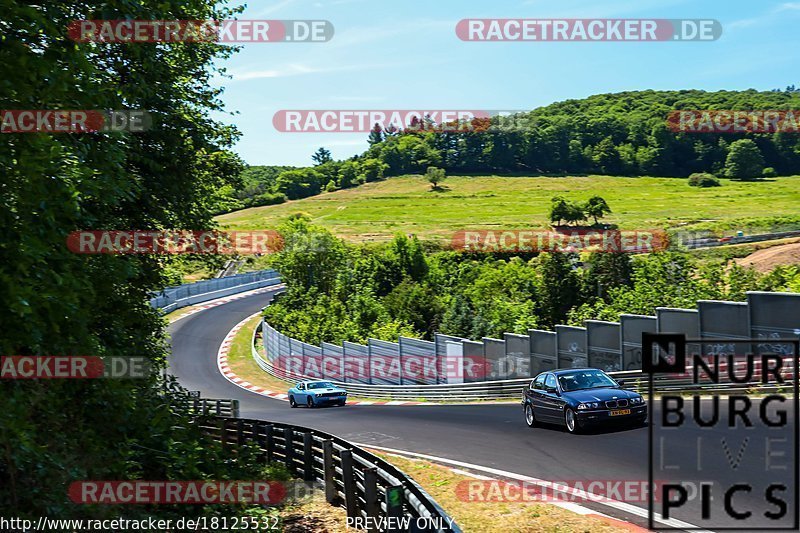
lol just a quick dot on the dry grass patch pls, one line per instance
(441, 482)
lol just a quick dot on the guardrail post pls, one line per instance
(308, 456)
(258, 433)
(395, 497)
(288, 445)
(239, 431)
(349, 481)
(270, 442)
(329, 473)
(219, 407)
(223, 431)
(372, 505)
(235, 409)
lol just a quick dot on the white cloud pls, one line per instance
(284, 72)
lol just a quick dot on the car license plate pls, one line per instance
(621, 412)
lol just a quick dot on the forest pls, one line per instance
(338, 291)
(624, 134)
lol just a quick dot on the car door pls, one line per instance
(550, 401)
(300, 397)
(535, 395)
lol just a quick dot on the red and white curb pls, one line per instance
(226, 299)
(616, 505)
(230, 375)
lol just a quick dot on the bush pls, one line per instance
(769, 172)
(703, 179)
(266, 198)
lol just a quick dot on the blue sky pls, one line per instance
(405, 55)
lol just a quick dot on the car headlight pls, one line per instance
(588, 405)
(637, 400)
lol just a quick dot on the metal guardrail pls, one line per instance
(486, 390)
(364, 484)
(208, 407)
(173, 298)
(503, 389)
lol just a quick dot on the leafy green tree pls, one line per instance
(558, 287)
(596, 207)
(435, 176)
(311, 256)
(299, 183)
(322, 156)
(54, 432)
(575, 213)
(375, 135)
(349, 173)
(744, 160)
(559, 210)
(373, 169)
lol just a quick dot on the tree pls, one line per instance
(348, 174)
(569, 212)
(373, 169)
(375, 135)
(559, 210)
(57, 302)
(435, 176)
(575, 213)
(596, 207)
(321, 156)
(744, 160)
(299, 183)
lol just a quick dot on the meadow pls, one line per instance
(376, 211)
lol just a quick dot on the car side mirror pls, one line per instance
(620, 383)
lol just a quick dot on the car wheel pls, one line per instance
(292, 403)
(571, 420)
(341, 403)
(530, 419)
(310, 402)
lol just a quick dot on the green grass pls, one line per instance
(375, 211)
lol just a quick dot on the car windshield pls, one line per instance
(585, 379)
(321, 385)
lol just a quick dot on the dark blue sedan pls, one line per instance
(580, 397)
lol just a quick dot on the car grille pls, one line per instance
(330, 394)
(613, 404)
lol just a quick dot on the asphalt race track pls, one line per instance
(492, 436)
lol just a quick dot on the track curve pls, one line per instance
(492, 436)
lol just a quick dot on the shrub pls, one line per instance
(769, 172)
(267, 198)
(703, 179)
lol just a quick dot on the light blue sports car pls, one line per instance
(316, 393)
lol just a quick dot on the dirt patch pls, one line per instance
(769, 258)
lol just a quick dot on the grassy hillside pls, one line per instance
(377, 210)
